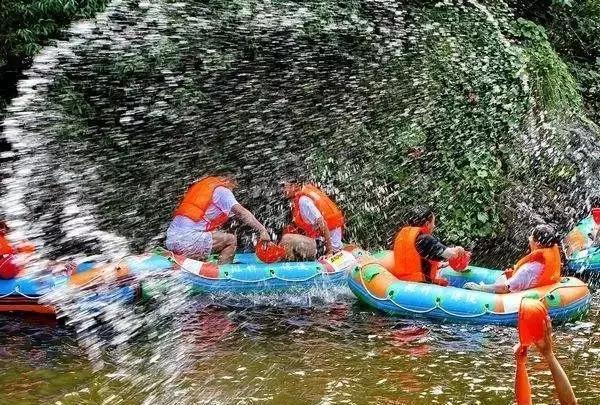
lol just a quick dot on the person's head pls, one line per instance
(290, 188)
(543, 236)
(422, 216)
(594, 201)
(4, 229)
(228, 180)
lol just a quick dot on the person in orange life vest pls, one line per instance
(206, 206)
(540, 267)
(8, 268)
(318, 223)
(417, 252)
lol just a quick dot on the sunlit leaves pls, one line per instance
(25, 25)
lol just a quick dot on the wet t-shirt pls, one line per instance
(223, 201)
(527, 277)
(311, 214)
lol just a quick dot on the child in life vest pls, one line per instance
(538, 268)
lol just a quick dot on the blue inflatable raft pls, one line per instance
(246, 274)
(380, 289)
(27, 292)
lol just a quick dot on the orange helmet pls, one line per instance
(269, 252)
(531, 324)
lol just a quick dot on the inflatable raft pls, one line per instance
(583, 258)
(246, 274)
(27, 292)
(380, 289)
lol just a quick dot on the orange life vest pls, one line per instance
(8, 269)
(199, 197)
(332, 215)
(408, 264)
(550, 259)
(5, 246)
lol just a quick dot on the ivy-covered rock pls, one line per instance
(459, 104)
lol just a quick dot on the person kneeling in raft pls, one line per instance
(317, 224)
(207, 205)
(417, 252)
(540, 267)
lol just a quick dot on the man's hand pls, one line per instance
(264, 235)
(441, 282)
(458, 251)
(508, 273)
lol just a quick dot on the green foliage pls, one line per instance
(25, 25)
(551, 79)
(528, 30)
(391, 104)
(574, 31)
(443, 130)
(562, 3)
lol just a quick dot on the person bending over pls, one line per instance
(206, 206)
(317, 223)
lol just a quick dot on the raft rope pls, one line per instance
(171, 256)
(18, 291)
(8, 295)
(438, 306)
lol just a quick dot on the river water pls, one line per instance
(114, 121)
(325, 350)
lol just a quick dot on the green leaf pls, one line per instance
(482, 217)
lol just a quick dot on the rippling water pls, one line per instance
(113, 122)
(323, 351)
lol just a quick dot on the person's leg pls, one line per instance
(298, 247)
(224, 244)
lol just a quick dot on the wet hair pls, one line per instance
(288, 181)
(594, 201)
(545, 235)
(419, 216)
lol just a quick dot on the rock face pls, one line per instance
(460, 105)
